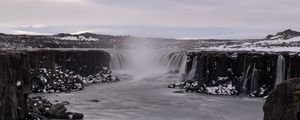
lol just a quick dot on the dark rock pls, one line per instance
(65, 103)
(94, 100)
(283, 103)
(287, 34)
(236, 73)
(41, 108)
(71, 115)
(171, 86)
(24, 71)
(68, 70)
(14, 85)
(179, 91)
(57, 110)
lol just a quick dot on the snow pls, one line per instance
(278, 41)
(278, 45)
(79, 38)
(227, 89)
(262, 46)
(19, 83)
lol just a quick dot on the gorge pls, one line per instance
(66, 69)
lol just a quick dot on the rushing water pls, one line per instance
(280, 70)
(193, 70)
(143, 58)
(254, 80)
(142, 93)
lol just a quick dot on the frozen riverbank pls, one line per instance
(147, 98)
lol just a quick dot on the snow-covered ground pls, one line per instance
(274, 45)
(146, 97)
(77, 38)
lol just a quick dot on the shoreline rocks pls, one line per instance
(23, 72)
(237, 72)
(283, 103)
(41, 108)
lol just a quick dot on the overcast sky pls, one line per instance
(151, 18)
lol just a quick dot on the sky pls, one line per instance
(236, 19)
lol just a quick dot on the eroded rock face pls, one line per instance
(238, 73)
(47, 71)
(40, 108)
(68, 70)
(284, 103)
(14, 85)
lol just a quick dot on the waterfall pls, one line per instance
(252, 75)
(280, 70)
(174, 61)
(254, 80)
(193, 70)
(118, 61)
(244, 87)
(182, 69)
(170, 61)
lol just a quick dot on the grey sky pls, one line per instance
(151, 18)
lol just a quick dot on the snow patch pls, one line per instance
(78, 38)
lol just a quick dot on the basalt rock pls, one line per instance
(15, 85)
(68, 70)
(23, 72)
(284, 103)
(41, 108)
(239, 73)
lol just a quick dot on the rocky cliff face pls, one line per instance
(68, 70)
(234, 73)
(24, 71)
(283, 102)
(15, 84)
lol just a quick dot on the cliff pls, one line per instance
(23, 72)
(15, 84)
(236, 73)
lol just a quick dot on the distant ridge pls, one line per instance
(287, 34)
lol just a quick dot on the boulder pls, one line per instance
(58, 110)
(40, 108)
(284, 102)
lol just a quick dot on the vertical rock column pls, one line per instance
(14, 85)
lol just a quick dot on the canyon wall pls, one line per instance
(23, 72)
(251, 73)
(15, 84)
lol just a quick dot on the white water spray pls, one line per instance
(280, 70)
(254, 80)
(142, 59)
(193, 70)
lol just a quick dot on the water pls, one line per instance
(142, 58)
(245, 80)
(182, 69)
(280, 70)
(193, 70)
(254, 80)
(142, 93)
